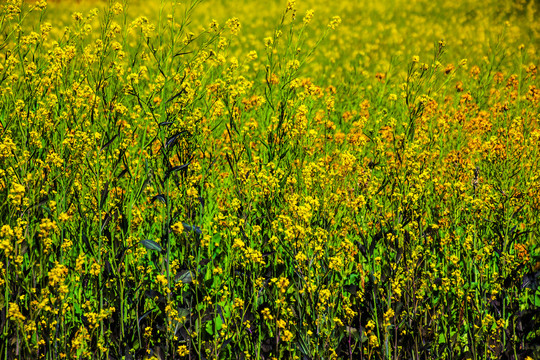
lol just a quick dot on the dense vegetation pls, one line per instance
(269, 180)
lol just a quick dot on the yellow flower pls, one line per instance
(238, 243)
(388, 315)
(252, 55)
(7, 147)
(334, 23)
(63, 217)
(16, 193)
(95, 269)
(291, 5)
(117, 8)
(214, 25)
(14, 313)
(57, 274)
(238, 303)
(268, 42)
(266, 314)
(6, 233)
(309, 16)
(183, 350)
(233, 25)
(162, 279)
(373, 341)
(177, 228)
(286, 336)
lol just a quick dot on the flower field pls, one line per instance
(211, 179)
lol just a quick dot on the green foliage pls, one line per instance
(175, 188)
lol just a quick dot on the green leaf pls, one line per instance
(188, 228)
(184, 276)
(77, 309)
(183, 313)
(350, 331)
(221, 314)
(442, 339)
(151, 245)
(537, 298)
